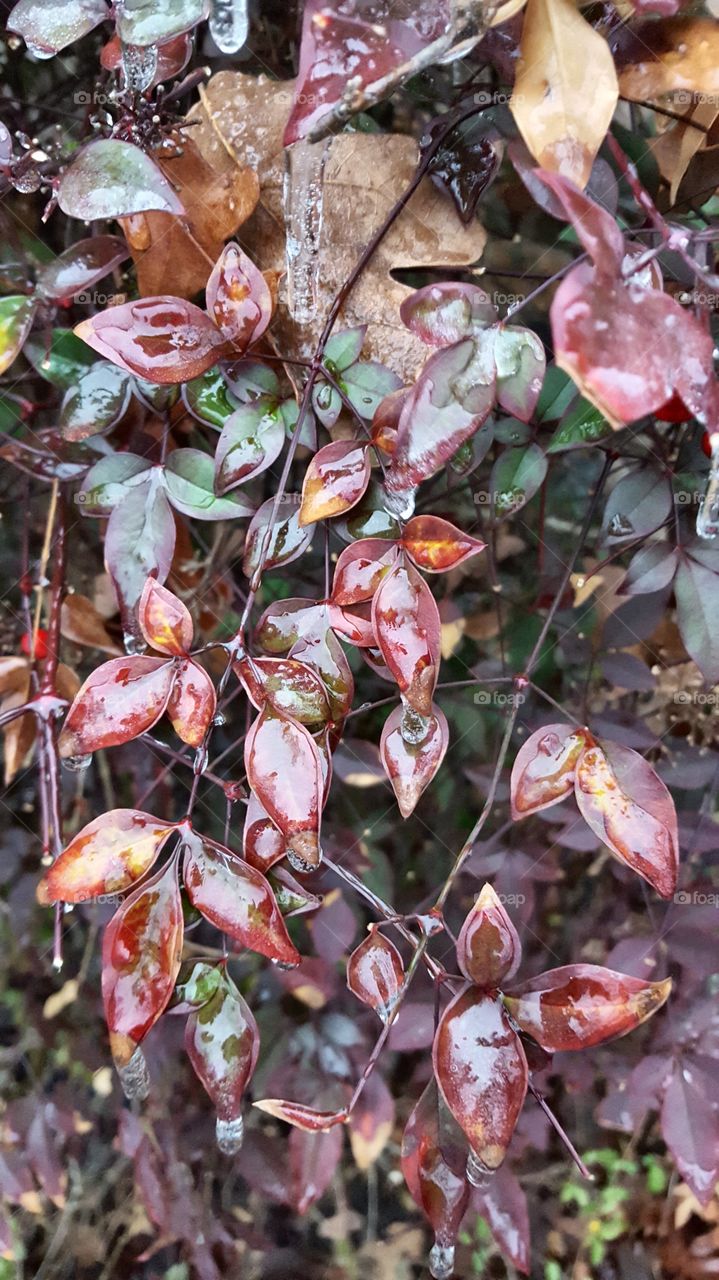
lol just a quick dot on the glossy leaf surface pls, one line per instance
(82, 265)
(375, 973)
(280, 531)
(16, 317)
(97, 402)
(192, 702)
(411, 766)
(262, 842)
(544, 770)
(161, 339)
(252, 439)
(290, 687)
(433, 1181)
(580, 1005)
(360, 568)
(222, 1043)
(436, 545)
(406, 623)
(284, 769)
(106, 857)
(165, 621)
(111, 179)
(122, 699)
(308, 1119)
(334, 481)
(238, 298)
(488, 947)
(444, 313)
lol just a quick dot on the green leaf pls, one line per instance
(583, 425)
(16, 316)
(190, 479)
(209, 398)
(61, 360)
(516, 476)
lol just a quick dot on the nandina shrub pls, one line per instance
(361, 444)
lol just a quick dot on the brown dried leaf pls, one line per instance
(670, 54)
(81, 622)
(243, 116)
(675, 149)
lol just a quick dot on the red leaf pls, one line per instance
(285, 541)
(411, 766)
(596, 228)
(335, 480)
(290, 687)
(313, 1160)
(375, 973)
(284, 769)
(360, 568)
(433, 1182)
(580, 1005)
(435, 545)
(628, 806)
(192, 703)
(165, 621)
(481, 1070)
(406, 624)
(262, 843)
(122, 699)
(306, 1118)
(690, 1127)
(488, 947)
(222, 1043)
(504, 1208)
(238, 298)
(521, 364)
(445, 313)
(107, 856)
(141, 953)
(161, 339)
(371, 1123)
(543, 771)
(235, 897)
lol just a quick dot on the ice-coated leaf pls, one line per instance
(289, 686)
(238, 298)
(82, 265)
(343, 348)
(480, 1067)
(51, 25)
(375, 973)
(285, 542)
(58, 356)
(161, 339)
(143, 24)
(252, 439)
(122, 699)
(308, 1119)
(411, 766)
(521, 363)
(209, 398)
(98, 400)
(112, 179)
(16, 317)
(451, 399)
(189, 479)
(580, 1005)
(192, 702)
(440, 1191)
(444, 313)
(696, 588)
(262, 842)
(141, 952)
(222, 1043)
(360, 568)
(106, 857)
(436, 545)
(627, 805)
(235, 897)
(516, 476)
(284, 769)
(406, 623)
(367, 384)
(292, 898)
(543, 772)
(109, 482)
(139, 542)
(335, 480)
(488, 947)
(165, 621)
(690, 1128)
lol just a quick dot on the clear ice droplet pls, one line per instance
(229, 1135)
(400, 504)
(299, 864)
(134, 644)
(478, 1173)
(135, 1077)
(139, 66)
(413, 727)
(303, 208)
(229, 24)
(76, 764)
(708, 513)
(441, 1261)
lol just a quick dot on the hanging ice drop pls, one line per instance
(708, 514)
(303, 206)
(229, 1134)
(441, 1261)
(229, 24)
(134, 1076)
(139, 66)
(413, 727)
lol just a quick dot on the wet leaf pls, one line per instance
(122, 699)
(235, 897)
(99, 399)
(488, 947)
(406, 623)
(141, 24)
(16, 317)
(521, 363)
(443, 314)
(639, 503)
(308, 1119)
(238, 298)
(665, 55)
(360, 568)
(627, 805)
(161, 339)
(411, 766)
(695, 587)
(192, 703)
(436, 546)
(371, 1123)
(285, 542)
(516, 476)
(580, 1005)
(106, 857)
(252, 439)
(223, 1043)
(209, 398)
(434, 1183)
(85, 263)
(289, 686)
(481, 1071)
(139, 541)
(543, 772)
(262, 842)
(690, 1128)
(375, 973)
(165, 621)
(58, 356)
(50, 26)
(334, 481)
(141, 952)
(111, 179)
(284, 769)
(189, 477)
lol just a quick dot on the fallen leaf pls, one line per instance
(670, 54)
(675, 149)
(81, 622)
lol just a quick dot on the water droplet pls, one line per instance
(304, 214)
(57, 963)
(400, 504)
(76, 764)
(133, 644)
(708, 513)
(134, 1076)
(478, 1173)
(297, 863)
(229, 1135)
(139, 66)
(283, 965)
(229, 24)
(219, 719)
(441, 1261)
(413, 727)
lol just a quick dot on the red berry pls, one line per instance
(40, 643)
(673, 410)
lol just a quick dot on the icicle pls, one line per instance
(134, 644)
(229, 24)
(303, 204)
(229, 1135)
(134, 1077)
(708, 514)
(441, 1261)
(413, 727)
(400, 504)
(76, 764)
(478, 1173)
(139, 66)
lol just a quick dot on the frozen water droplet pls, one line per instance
(219, 719)
(200, 759)
(478, 1173)
(413, 727)
(26, 182)
(400, 504)
(441, 1261)
(57, 963)
(139, 66)
(229, 24)
(42, 55)
(708, 513)
(283, 965)
(229, 1135)
(76, 764)
(620, 526)
(133, 644)
(297, 863)
(134, 1076)
(304, 212)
